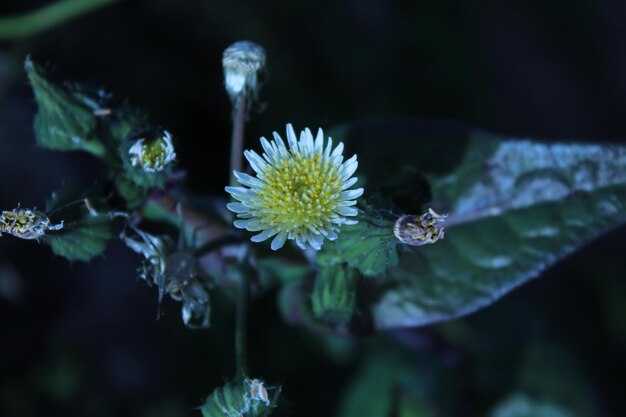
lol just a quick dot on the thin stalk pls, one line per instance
(47, 17)
(241, 327)
(241, 314)
(236, 144)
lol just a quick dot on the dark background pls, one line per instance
(80, 339)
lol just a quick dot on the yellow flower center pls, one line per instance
(299, 191)
(153, 154)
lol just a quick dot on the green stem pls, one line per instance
(241, 327)
(236, 144)
(35, 22)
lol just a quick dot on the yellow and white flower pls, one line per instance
(300, 193)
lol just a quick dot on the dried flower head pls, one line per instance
(258, 392)
(152, 155)
(419, 230)
(26, 223)
(300, 193)
(175, 271)
(242, 62)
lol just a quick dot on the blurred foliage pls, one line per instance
(515, 207)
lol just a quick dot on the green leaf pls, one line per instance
(87, 224)
(64, 121)
(515, 207)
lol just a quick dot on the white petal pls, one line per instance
(319, 141)
(236, 190)
(329, 234)
(316, 241)
(344, 220)
(241, 224)
(267, 147)
(329, 147)
(248, 180)
(279, 240)
(338, 150)
(349, 183)
(264, 235)
(136, 148)
(348, 203)
(237, 207)
(300, 242)
(291, 138)
(312, 228)
(348, 168)
(279, 141)
(351, 194)
(255, 225)
(257, 163)
(306, 137)
(240, 193)
(347, 211)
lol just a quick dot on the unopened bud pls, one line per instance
(152, 155)
(242, 62)
(419, 230)
(334, 294)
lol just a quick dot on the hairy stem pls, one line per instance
(236, 145)
(47, 17)
(241, 317)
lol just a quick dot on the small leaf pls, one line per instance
(64, 122)
(368, 246)
(87, 224)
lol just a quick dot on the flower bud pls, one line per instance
(242, 62)
(152, 155)
(249, 398)
(334, 294)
